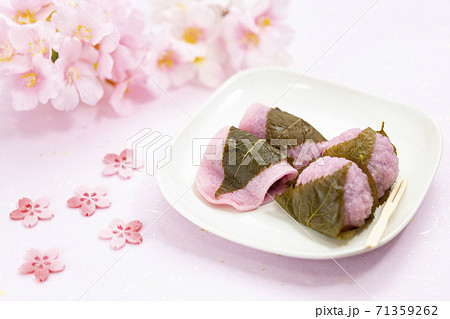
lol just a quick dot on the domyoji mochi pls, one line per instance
(246, 183)
(358, 198)
(382, 160)
(276, 125)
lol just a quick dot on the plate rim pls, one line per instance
(174, 202)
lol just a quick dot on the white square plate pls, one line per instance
(331, 109)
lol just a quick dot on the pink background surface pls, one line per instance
(397, 50)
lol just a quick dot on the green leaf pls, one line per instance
(282, 125)
(55, 56)
(244, 157)
(319, 204)
(382, 132)
(358, 150)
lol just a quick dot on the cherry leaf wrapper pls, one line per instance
(284, 130)
(332, 196)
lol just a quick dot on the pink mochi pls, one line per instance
(260, 190)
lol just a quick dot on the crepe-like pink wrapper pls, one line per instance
(260, 190)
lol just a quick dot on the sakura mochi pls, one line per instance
(332, 196)
(372, 151)
(242, 170)
(304, 143)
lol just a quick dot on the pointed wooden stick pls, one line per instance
(386, 213)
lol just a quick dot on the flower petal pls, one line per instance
(110, 170)
(32, 253)
(51, 253)
(17, 214)
(26, 268)
(117, 242)
(134, 225)
(111, 158)
(41, 274)
(30, 220)
(45, 214)
(100, 190)
(67, 99)
(83, 189)
(24, 100)
(56, 265)
(126, 172)
(42, 202)
(106, 233)
(116, 222)
(24, 201)
(126, 155)
(74, 202)
(88, 209)
(134, 238)
(102, 202)
(90, 89)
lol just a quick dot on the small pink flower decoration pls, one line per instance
(31, 212)
(120, 233)
(89, 199)
(41, 264)
(122, 164)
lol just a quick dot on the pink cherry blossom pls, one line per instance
(74, 80)
(133, 91)
(134, 43)
(120, 233)
(29, 88)
(169, 60)
(10, 59)
(27, 11)
(86, 22)
(31, 212)
(41, 264)
(89, 199)
(256, 37)
(191, 22)
(121, 164)
(208, 66)
(35, 39)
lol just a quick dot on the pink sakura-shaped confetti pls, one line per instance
(121, 164)
(41, 264)
(89, 199)
(31, 212)
(120, 232)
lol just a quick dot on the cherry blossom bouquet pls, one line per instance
(67, 52)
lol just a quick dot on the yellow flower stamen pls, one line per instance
(83, 33)
(199, 59)
(30, 79)
(192, 34)
(37, 47)
(72, 75)
(6, 52)
(166, 61)
(264, 22)
(24, 18)
(250, 39)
